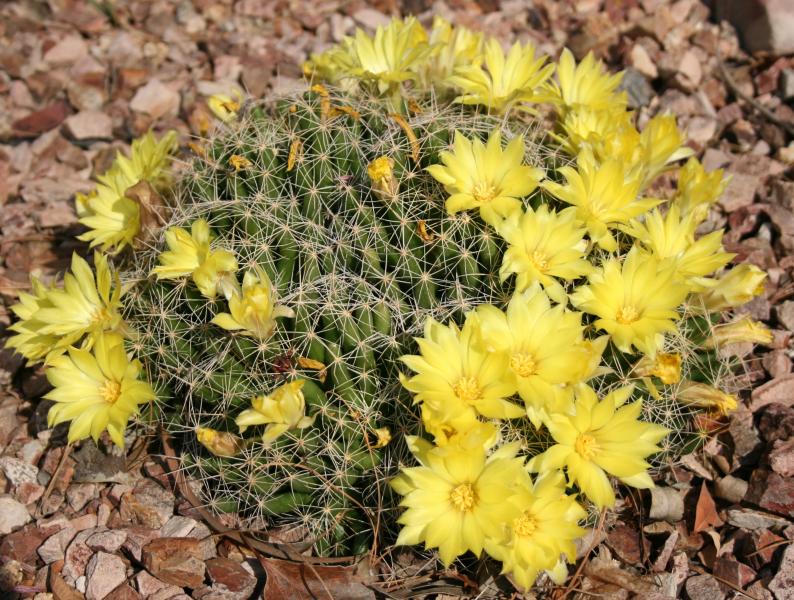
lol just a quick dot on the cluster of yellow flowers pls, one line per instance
(598, 260)
(77, 331)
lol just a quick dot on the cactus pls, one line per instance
(361, 266)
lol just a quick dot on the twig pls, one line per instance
(768, 546)
(731, 585)
(734, 87)
(572, 585)
(66, 452)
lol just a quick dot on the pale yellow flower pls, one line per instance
(702, 395)
(734, 288)
(586, 85)
(254, 309)
(484, 176)
(281, 410)
(600, 438)
(743, 329)
(507, 81)
(665, 366)
(97, 390)
(219, 443)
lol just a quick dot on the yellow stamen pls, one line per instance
(239, 162)
(540, 260)
(110, 390)
(627, 315)
(463, 497)
(586, 446)
(525, 526)
(523, 364)
(467, 389)
(484, 191)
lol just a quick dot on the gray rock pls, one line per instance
(54, 547)
(786, 84)
(753, 519)
(13, 514)
(178, 526)
(104, 573)
(18, 471)
(107, 541)
(782, 585)
(785, 314)
(637, 88)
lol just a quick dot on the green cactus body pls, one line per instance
(361, 271)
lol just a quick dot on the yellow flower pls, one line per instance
(220, 443)
(454, 377)
(541, 345)
(96, 391)
(593, 128)
(600, 438)
(253, 310)
(635, 301)
(383, 437)
(587, 85)
(662, 143)
(113, 219)
(85, 306)
(602, 195)
(736, 287)
(546, 529)
(665, 366)
(381, 172)
(457, 498)
(698, 190)
(743, 329)
(671, 238)
(483, 176)
(392, 56)
(29, 341)
(543, 245)
(190, 254)
(456, 428)
(281, 410)
(452, 47)
(509, 80)
(702, 395)
(225, 106)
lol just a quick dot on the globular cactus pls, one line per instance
(333, 202)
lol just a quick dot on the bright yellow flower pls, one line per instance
(113, 219)
(602, 195)
(96, 391)
(662, 143)
(189, 254)
(665, 366)
(484, 176)
(541, 345)
(455, 377)
(85, 306)
(254, 310)
(463, 426)
(148, 158)
(635, 301)
(671, 237)
(29, 341)
(452, 48)
(510, 81)
(591, 128)
(736, 287)
(547, 529)
(226, 106)
(702, 395)
(698, 190)
(394, 55)
(281, 410)
(457, 498)
(743, 329)
(381, 172)
(335, 66)
(543, 245)
(587, 85)
(600, 438)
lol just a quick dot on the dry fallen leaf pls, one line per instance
(290, 580)
(706, 511)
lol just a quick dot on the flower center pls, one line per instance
(484, 191)
(467, 389)
(540, 260)
(110, 390)
(100, 316)
(526, 525)
(627, 315)
(463, 497)
(586, 446)
(523, 364)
